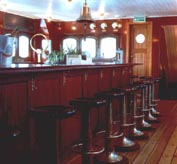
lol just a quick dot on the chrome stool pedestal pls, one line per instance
(88, 148)
(110, 156)
(127, 124)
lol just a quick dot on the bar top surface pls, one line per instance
(27, 68)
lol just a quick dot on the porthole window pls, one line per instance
(140, 38)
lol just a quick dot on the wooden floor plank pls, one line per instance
(163, 141)
(174, 161)
(145, 153)
(169, 152)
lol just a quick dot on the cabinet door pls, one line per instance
(116, 77)
(44, 89)
(105, 79)
(13, 109)
(91, 83)
(72, 87)
(125, 77)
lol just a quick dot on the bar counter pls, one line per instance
(26, 86)
(26, 68)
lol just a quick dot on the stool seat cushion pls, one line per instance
(129, 89)
(54, 111)
(9, 133)
(87, 102)
(113, 93)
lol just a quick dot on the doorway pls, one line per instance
(140, 48)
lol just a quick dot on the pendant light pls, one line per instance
(85, 17)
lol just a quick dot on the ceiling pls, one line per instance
(69, 10)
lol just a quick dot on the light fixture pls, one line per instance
(92, 27)
(116, 26)
(85, 17)
(103, 26)
(43, 27)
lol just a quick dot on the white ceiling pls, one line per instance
(63, 10)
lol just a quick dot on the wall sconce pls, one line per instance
(103, 26)
(59, 26)
(73, 27)
(92, 27)
(116, 26)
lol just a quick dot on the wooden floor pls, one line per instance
(161, 147)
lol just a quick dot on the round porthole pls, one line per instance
(140, 38)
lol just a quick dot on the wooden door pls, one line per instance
(13, 110)
(139, 48)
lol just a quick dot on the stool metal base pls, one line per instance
(95, 149)
(152, 119)
(111, 158)
(155, 112)
(139, 135)
(149, 117)
(146, 126)
(127, 145)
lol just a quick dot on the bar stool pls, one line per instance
(148, 102)
(87, 148)
(8, 138)
(137, 114)
(47, 115)
(141, 124)
(153, 100)
(127, 123)
(109, 156)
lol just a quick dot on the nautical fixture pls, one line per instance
(85, 17)
(39, 51)
(92, 27)
(103, 26)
